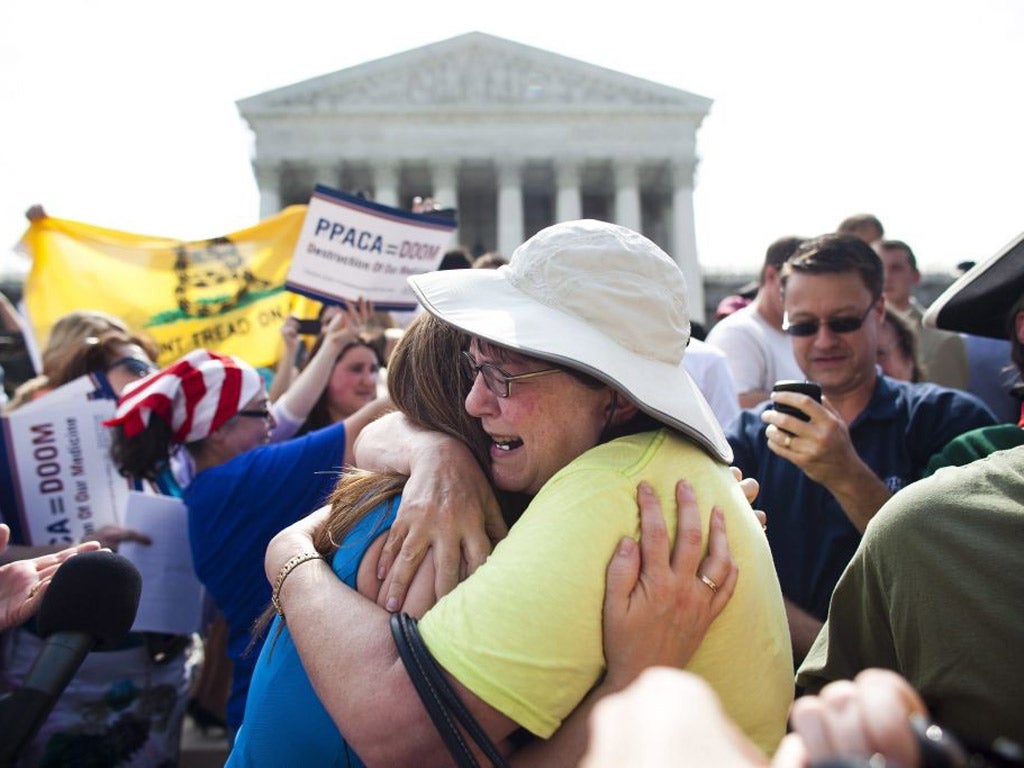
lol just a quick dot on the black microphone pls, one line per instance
(90, 604)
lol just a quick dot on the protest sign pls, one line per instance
(350, 248)
(58, 483)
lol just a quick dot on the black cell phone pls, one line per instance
(810, 388)
(309, 327)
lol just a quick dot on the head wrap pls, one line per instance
(195, 396)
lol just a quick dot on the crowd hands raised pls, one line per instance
(664, 589)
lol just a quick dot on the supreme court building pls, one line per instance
(515, 138)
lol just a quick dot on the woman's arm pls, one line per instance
(346, 647)
(447, 505)
(284, 372)
(302, 395)
(10, 319)
(108, 537)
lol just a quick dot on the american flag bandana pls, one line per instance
(195, 396)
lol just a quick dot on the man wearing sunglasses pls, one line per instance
(823, 479)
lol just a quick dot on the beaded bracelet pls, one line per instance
(287, 568)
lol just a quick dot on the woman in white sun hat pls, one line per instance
(575, 348)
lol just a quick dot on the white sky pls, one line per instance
(122, 114)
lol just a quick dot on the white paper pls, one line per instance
(61, 478)
(172, 596)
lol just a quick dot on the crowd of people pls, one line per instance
(537, 469)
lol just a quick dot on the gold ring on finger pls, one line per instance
(710, 582)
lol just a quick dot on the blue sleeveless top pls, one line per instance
(285, 723)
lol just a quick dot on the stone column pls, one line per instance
(268, 178)
(510, 208)
(446, 190)
(568, 203)
(385, 182)
(684, 239)
(627, 195)
(446, 185)
(327, 173)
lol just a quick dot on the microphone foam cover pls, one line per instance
(96, 593)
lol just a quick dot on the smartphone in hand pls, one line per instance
(810, 388)
(309, 327)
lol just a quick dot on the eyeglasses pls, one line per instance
(263, 413)
(834, 324)
(135, 365)
(497, 381)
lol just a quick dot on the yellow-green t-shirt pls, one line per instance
(524, 633)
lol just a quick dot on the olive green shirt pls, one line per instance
(936, 593)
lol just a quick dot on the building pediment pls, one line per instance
(468, 72)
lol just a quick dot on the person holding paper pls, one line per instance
(82, 344)
(141, 686)
(244, 490)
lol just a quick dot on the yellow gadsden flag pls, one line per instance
(225, 294)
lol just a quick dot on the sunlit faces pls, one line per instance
(250, 428)
(127, 363)
(546, 422)
(891, 358)
(900, 276)
(353, 382)
(840, 362)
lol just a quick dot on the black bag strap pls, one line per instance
(441, 702)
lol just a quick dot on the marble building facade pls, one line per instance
(515, 138)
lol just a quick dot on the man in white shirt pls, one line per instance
(758, 352)
(708, 366)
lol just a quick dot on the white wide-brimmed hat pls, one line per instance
(980, 300)
(591, 296)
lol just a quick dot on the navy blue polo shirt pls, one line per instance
(811, 537)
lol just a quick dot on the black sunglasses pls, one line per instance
(261, 414)
(834, 324)
(135, 365)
